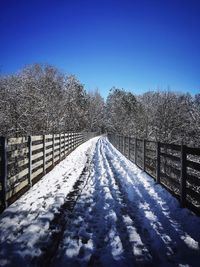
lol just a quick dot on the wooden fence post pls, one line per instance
(72, 141)
(158, 163)
(183, 176)
(44, 154)
(60, 147)
(69, 140)
(144, 153)
(29, 160)
(4, 170)
(135, 152)
(53, 148)
(64, 146)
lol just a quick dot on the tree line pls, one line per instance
(40, 99)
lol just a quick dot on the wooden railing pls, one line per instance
(24, 160)
(176, 167)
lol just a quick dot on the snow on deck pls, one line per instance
(121, 217)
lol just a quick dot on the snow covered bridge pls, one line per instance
(96, 208)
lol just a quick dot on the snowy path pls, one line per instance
(114, 215)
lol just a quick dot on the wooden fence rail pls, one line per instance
(24, 160)
(176, 167)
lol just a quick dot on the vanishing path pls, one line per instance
(113, 215)
(121, 219)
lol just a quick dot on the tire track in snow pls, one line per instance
(135, 247)
(103, 244)
(113, 238)
(156, 232)
(61, 219)
(84, 243)
(166, 233)
(118, 233)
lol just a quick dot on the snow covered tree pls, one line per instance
(95, 112)
(166, 116)
(121, 108)
(75, 108)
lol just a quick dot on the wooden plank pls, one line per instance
(19, 152)
(36, 173)
(17, 140)
(151, 159)
(171, 146)
(193, 180)
(56, 144)
(37, 164)
(193, 193)
(49, 157)
(37, 138)
(17, 176)
(62, 146)
(193, 151)
(193, 165)
(151, 168)
(49, 164)
(37, 155)
(16, 189)
(56, 153)
(20, 163)
(173, 169)
(174, 158)
(50, 143)
(49, 150)
(56, 158)
(37, 147)
(169, 178)
(49, 136)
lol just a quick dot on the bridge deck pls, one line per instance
(96, 208)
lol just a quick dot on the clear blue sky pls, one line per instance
(132, 44)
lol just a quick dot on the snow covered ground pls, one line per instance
(96, 208)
